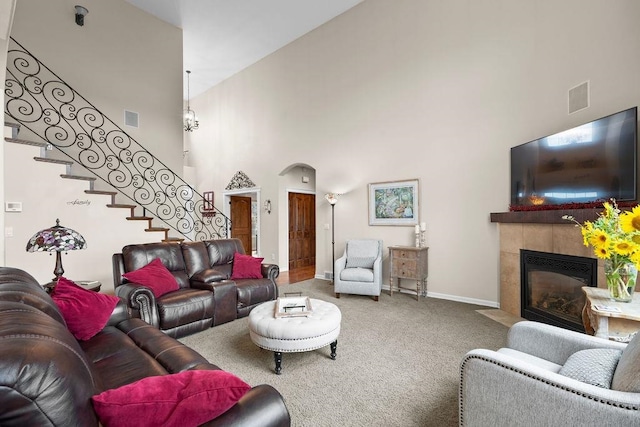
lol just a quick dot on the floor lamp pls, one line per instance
(332, 198)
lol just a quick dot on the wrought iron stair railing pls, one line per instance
(36, 98)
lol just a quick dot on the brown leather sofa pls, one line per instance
(207, 297)
(47, 378)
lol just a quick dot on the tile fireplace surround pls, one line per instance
(543, 231)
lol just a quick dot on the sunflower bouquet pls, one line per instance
(615, 238)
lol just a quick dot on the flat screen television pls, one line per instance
(593, 162)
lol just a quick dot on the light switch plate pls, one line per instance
(13, 206)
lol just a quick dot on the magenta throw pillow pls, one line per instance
(246, 267)
(188, 398)
(85, 312)
(154, 276)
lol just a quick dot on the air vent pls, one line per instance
(579, 97)
(131, 119)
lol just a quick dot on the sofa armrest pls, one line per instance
(498, 389)
(208, 276)
(377, 271)
(262, 406)
(552, 343)
(120, 313)
(270, 271)
(141, 299)
(167, 351)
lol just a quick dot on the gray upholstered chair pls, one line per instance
(549, 376)
(359, 270)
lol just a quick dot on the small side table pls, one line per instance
(90, 285)
(408, 262)
(617, 325)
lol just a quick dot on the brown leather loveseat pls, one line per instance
(207, 297)
(47, 377)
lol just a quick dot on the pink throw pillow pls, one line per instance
(246, 267)
(85, 312)
(188, 398)
(154, 276)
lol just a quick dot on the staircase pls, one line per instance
(70, 131)
(69, 174)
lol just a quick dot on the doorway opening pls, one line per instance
(302, 231)
(242, 208)
(297, 247)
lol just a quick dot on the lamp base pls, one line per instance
(58, 270)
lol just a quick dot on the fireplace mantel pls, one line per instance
(553, 216)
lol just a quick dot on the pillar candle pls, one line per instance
(417, 228)
(423, 226)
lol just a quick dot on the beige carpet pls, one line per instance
(397, 360)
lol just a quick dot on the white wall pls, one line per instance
(7, 8)
(428, 89)
(122, 58)
(105, 230)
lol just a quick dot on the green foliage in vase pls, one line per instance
(615, 238)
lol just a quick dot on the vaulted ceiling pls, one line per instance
(222, 37)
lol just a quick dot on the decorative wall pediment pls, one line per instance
(240, 180)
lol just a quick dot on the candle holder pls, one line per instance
(417, 240)
(423, 239)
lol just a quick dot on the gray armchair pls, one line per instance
(359, 270)
(543, 378)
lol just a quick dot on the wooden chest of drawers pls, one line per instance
(408, 262)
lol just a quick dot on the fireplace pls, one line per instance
(551, 287)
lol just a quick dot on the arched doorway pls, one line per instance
(297, 190)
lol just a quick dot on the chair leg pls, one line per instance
(375, 297)
(337, 295)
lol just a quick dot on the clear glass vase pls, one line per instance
(621, 279)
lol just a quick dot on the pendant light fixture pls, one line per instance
(190, 119)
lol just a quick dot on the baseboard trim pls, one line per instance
(457, 298)
(475, 301)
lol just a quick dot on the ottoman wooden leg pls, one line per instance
(277, 355)
(334, 345)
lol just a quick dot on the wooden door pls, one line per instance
(302, 230)
(241, 221)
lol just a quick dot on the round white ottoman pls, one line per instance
(295, 334)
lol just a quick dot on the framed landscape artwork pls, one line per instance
(394, 203)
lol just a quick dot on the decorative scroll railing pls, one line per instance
(36, 98)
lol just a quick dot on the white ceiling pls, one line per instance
(222, 37)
